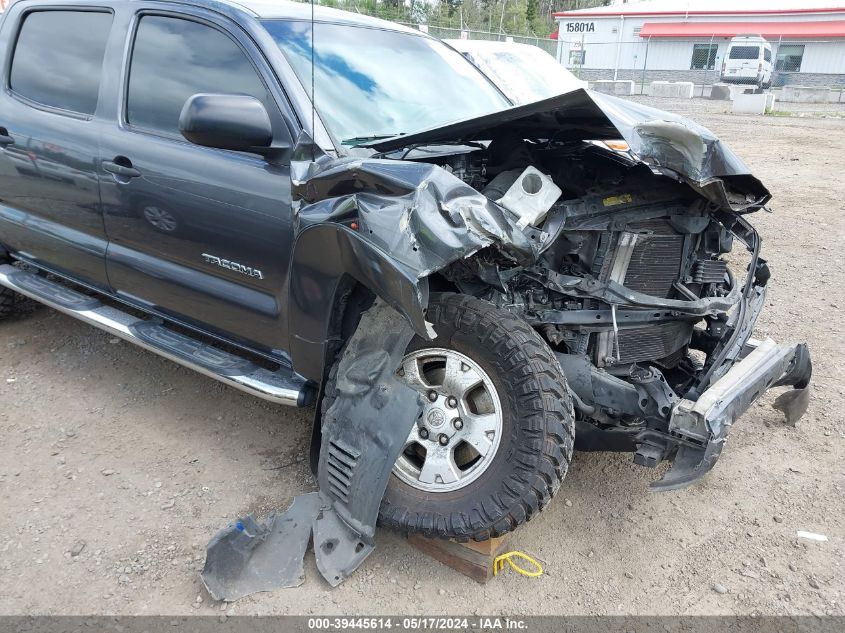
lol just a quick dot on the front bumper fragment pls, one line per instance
(703, 425)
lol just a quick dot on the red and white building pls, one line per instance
(687, 39)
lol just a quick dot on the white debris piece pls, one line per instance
(531, 196)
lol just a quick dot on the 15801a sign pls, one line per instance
(580, 27)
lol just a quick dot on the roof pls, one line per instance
(276, 9)
(467, 46)
(709, 7)
(826, 28)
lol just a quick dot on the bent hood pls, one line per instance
(666, 142)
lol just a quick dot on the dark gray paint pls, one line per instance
(79, 208)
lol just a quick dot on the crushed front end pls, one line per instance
(642, 275)
(652, 328)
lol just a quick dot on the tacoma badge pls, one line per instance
(238, 268)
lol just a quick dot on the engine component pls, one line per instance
(661, 342)
(655, 263)
(531, 196)
(709, 271)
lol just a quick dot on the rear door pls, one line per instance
(199, 234)
(50, 208)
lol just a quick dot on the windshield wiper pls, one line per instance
(357, 140)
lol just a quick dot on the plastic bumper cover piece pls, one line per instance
(702, 426)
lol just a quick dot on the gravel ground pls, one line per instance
(116, 466)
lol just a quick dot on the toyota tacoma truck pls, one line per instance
(232, 184)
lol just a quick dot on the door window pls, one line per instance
(174, 59)
(58, 59)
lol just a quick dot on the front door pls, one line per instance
(198, 233)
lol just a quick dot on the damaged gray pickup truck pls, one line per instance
(174, 174)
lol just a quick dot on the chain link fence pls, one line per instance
(446, 33)
(643, 60)
(794, 62)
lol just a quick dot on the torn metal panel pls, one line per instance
(364, 430)
(324, 255)
(421, 214)
(793, 404)
(659, 139)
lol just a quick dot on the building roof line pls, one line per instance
(581, 13)
(823, 28)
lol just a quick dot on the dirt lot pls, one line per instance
(138, 462)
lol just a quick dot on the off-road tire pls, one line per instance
(537, 433)
(7, 302)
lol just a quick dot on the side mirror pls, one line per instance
(235, 122)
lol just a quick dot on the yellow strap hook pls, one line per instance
(499, 564)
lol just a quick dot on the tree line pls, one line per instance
(513, 17)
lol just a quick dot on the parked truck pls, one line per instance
(231, 184)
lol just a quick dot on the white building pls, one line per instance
(686, 39)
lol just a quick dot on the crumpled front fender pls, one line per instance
(389, 225)
(421, 214)
(323, 256)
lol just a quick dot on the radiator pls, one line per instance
(654, 265)
(659, 342)
(656, 260)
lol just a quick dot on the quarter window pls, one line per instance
(174, 59)
(58, 59)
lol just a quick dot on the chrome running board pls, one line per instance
(283, 386)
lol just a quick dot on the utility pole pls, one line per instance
(618, 47)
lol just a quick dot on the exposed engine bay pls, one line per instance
(631, 287)
(605, 225)
(651, 235)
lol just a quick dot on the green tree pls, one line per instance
(531, 8)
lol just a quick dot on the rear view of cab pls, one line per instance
(748, 60)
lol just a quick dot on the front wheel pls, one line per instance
(495, 438)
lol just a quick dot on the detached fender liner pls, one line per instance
(364, 431)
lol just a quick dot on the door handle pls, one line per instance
(121, 166)
(5, 139)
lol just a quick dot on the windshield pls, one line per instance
(525, 74)
(373, 83)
